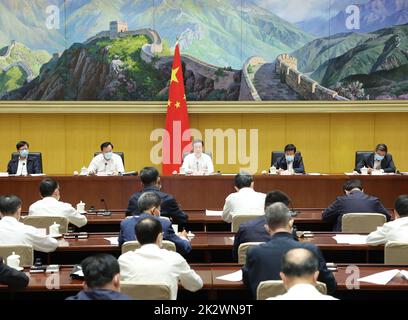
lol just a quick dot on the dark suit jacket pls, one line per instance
(387, 164)
(253, 231)
(298, 166)
(264, 261)
(127, 232)
(169, 206)
(99, 294)
(33, 165)
(11, 277)
(356, 201)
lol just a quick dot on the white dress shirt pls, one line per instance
(200, 165)
(377, 165)
(22, 167)
(303, 291)
(99, 165)
(15, 232)
(245, 201)
(152, 264)
(49, 206)
(396, 230)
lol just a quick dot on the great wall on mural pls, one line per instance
(257, 81)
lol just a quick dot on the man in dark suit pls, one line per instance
(290, 161)
(11, 277)
(263, 262)
(149, 204)
(169, 207)
(379, 160)
(23, 164)
(254, 230)
(354, 200)
(102, 279)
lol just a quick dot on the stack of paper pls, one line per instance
(213, 213)
(113, 240)
(4, 174)
(234, 277)
(381, 277)
(350, 238)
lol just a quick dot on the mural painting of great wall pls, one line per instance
(232, 50)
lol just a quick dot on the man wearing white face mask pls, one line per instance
(291, 162)
(23, 164)
(106, 163)
(380, 160)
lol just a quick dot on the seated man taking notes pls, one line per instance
(12, 231)
(396, 230)
(150, 263)
(50, 205)
(197, 163)
(107, 162)
(380, 161)
(290, 162)
(23, 164)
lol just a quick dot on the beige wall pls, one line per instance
(327, 141)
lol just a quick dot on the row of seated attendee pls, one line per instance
(258, 267)
(197, 162)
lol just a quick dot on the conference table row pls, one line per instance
(203, 192)
(59, 285)
(210, 247)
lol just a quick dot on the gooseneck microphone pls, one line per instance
(22, 169)
(106, 212)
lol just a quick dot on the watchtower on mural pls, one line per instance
(116, 27)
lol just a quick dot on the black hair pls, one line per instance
(352, 184)
(149, 175)
(99, 270)
(47, 187)
(276, 196)
(9, 205)
(298, 264)
(148, 200)
(401, 205)
(290, 147)
(105, 145)
(381, 147)
(22, 144)
(243, 180)
(147, 230)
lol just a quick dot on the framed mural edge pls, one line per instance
(158, 107)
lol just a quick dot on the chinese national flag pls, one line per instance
(177, 138)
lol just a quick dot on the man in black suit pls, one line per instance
(291, 161)
(354, 200)
(11, 277)
(23, 164)
(263, 262)
(379, 160)
(169, 207)
(254, 230)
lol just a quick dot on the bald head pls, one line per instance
(299, 262)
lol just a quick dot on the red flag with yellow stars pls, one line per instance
(177, 138)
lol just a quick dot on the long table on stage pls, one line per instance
(204, 192)
(61, 285)
(212, 247)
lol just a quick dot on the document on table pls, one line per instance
(37, 174)
(113, 240)
(351, 173)
(233, 277)
(213, 213)
(4, 174)
(350, 238)
(381, 277)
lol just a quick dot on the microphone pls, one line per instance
(106, 212)
(197, 167)
(22, 168)
(106, 166)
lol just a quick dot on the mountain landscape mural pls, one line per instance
(231, 50)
